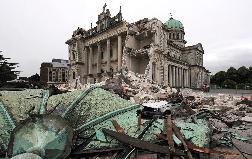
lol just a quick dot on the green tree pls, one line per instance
(228, 83)
(219, 78)
(243, 74)
(34, 78)
(241, 78)
(7, 70)
(232, 74)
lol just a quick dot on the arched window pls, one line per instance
(173, 36)
(169, 35)
(177, 36)
(73, 75)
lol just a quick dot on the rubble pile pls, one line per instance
(138, 89)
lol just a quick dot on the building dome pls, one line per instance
(174, 24)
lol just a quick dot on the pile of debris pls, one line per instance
(137, 88)
(123, 117)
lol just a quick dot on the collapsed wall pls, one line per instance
(138, 53)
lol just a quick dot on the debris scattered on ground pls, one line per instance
(128, 115)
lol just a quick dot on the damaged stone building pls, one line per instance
(147, 46)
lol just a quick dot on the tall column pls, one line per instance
(170, 75)
(99, 58)
(108, 55)
(119, 54)
(180, 77)
(188, 75)
(183, 78)
(166, 73)
(187, 78)
(177, 77)
(86, 61)
(173, 77)
(90, 59)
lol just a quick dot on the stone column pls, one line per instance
(178, 83)
(176, 77)
(183, 78)
(119, 52)
(166, 73)
(173, 77)
(86, 61)
(186, 76)
(90, 59)
(180, 77)
(189, 78)
(170, 75)
(99, 58)
(108, 55)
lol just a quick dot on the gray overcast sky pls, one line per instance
(34, 31)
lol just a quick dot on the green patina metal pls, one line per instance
(77, 100)
(91, 110)
(7, 124)
(105, 117)
(6, 116)
(22, 103)
(43, 103)
(100, 136)
(95, 104)
(196, 131)
(48, 136)
(26, 156)
(176, 140)
(127, 120)
(173, 24)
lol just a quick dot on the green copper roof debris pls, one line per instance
(88, 112)
(196, 131)
(45, 135)
(21, 103)
(96, 103)
(44, 102)
(7, 124)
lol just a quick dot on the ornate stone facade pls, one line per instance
(147, 46)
